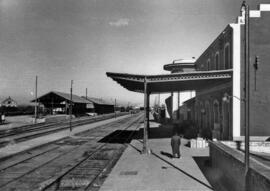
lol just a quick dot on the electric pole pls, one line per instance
(247, 92)
(70, 107)
(36, 100)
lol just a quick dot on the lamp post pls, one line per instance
(245, 8)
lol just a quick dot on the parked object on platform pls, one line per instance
(198, 143)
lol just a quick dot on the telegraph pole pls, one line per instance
(36, 99)
(70, 107)
(247, 92)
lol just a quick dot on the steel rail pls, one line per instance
(89, 156)
(43, 164)
(99, 174)
(28, 134)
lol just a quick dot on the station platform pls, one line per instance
(15, 148)
(158, 171)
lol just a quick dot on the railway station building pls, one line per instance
(59, 102)
(218, 76)
(100, 106)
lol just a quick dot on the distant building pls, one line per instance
(59, 102)
(100, 106)
(9, 102)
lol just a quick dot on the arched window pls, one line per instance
(196, 113)
(226, 118)
(227, 56)
(216, 60)
(208, 114)
(208, 64)
(216, 111)
(201, 115)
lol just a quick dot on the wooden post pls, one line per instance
(171, 106)
(147, 114)
(247, 93)
(36, 109)
(178, 106)
(146, 149)
(70, 107)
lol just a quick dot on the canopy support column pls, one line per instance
(171, 106)
(146, 149)
(178, 106)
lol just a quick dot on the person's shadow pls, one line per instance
(166, 154)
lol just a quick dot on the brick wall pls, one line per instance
(260, 93)
(217, 45)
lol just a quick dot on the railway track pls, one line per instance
(75, 163)
(23, 133)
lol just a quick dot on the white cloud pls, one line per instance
(120, 22)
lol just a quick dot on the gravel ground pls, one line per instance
(16, 121)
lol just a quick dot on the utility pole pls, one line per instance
(70, 107)
(86, 93)
(36, 100)
(245, 7)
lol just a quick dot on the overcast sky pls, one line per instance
(60, 40)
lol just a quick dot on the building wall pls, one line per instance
(260, 78)
(213, 115)
(231, 124)
(102, 109)
(8, 103)
(207, 61)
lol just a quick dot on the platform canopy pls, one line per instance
(164, 83)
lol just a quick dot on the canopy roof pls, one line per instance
(172, 82)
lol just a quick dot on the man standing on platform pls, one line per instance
(175, 143)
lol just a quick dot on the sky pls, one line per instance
(81, 40)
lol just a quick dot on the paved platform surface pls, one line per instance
(12, 149)
(157, 172)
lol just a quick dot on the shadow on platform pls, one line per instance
(119, 136)
(171, 165)
(125, 136)
(156, 133)
(213, 176)
(169, 155)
